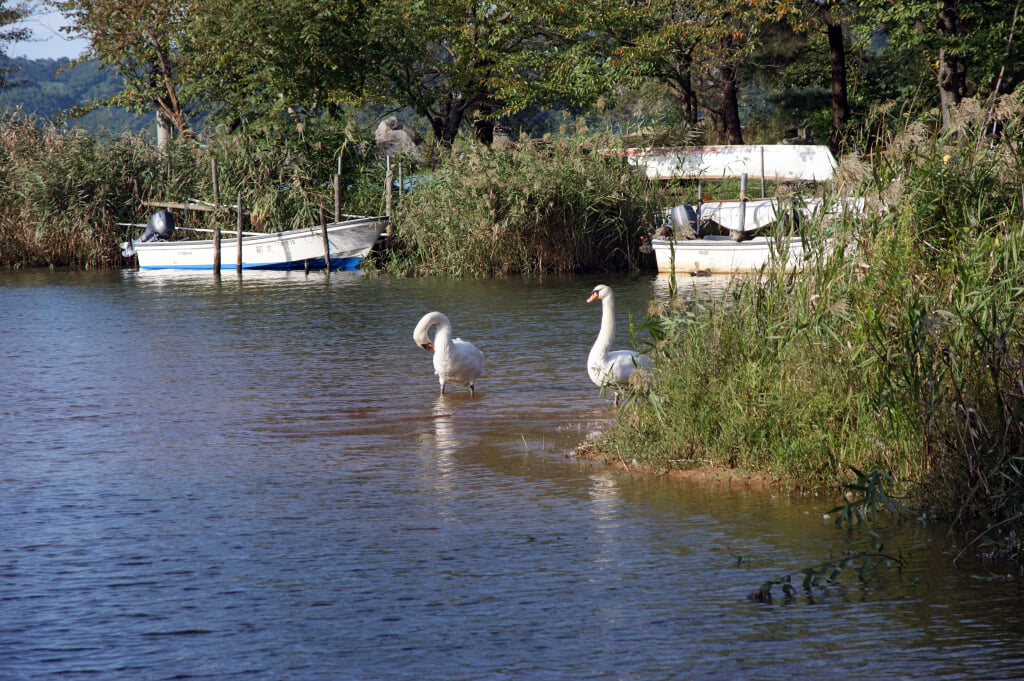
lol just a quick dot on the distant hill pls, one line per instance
(46, 87)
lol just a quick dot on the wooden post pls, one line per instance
(327, 244)
(216, 250)
(743, 202)
(238, 240)
(700, 202)
(388, 181)
(762, 171)
(337, 197)
(216, 230)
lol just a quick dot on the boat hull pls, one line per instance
(349, 243)
(722, 255)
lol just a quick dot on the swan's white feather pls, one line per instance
(606, 366)
(455, 360)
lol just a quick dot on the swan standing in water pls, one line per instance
(455, 360)
(614, 367)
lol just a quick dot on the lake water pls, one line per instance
(257, 478)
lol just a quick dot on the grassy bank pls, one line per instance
(65, 192)
(905, 355)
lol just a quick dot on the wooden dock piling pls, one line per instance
(327, 243)
(238, 239)
(216, 223)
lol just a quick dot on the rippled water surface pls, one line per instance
(258, 479)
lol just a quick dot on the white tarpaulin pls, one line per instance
(770, 161)
(729, 214)
(762, 212)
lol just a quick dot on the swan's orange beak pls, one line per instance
(427, 346)
(593, 297)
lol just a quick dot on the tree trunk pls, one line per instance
(680, 88)
(483, 127)
(840, 103)
(446, 123)
(731, 105)
(952, 77)
(164, 129)
(952, 72)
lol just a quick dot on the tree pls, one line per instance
(144, 41)
(698, 48)
(459, 60)
(812, 17)
(10, 14)
(967, 42)
(276, 62)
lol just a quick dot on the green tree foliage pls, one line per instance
(968, 44)
(10, 14)
(461, 60)
(145, 41)
(698, 49)
(280, 62)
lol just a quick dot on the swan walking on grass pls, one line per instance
(455, 360)
(609, 367)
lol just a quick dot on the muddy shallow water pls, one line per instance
(258, 478)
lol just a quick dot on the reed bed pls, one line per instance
(901, 352)
(65, 192)
(564, 205)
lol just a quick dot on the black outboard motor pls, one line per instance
(159, 228)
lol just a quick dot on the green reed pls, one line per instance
(65, 192)
(560, 205)
(901, 352)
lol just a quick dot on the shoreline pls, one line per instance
(697, 473)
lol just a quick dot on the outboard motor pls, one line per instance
(684, 220)
(159, 228)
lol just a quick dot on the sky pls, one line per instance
(47, 41)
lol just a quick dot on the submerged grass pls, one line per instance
(902, 352)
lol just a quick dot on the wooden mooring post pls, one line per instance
(337, 193)
(327, 243)
(389, 178)
(743, 202)
(216, 224)
(238, 240)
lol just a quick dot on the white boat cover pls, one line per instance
(762, 212)
(812, 162)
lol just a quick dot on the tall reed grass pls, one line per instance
(65, 192)
(902, 352)
(561, 205)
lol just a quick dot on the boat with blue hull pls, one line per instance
(346, 244)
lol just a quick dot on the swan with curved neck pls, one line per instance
(455, 360)
(608, 366)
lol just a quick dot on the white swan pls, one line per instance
(455, 360)
(606, 367)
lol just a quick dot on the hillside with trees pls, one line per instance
(52, 89)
